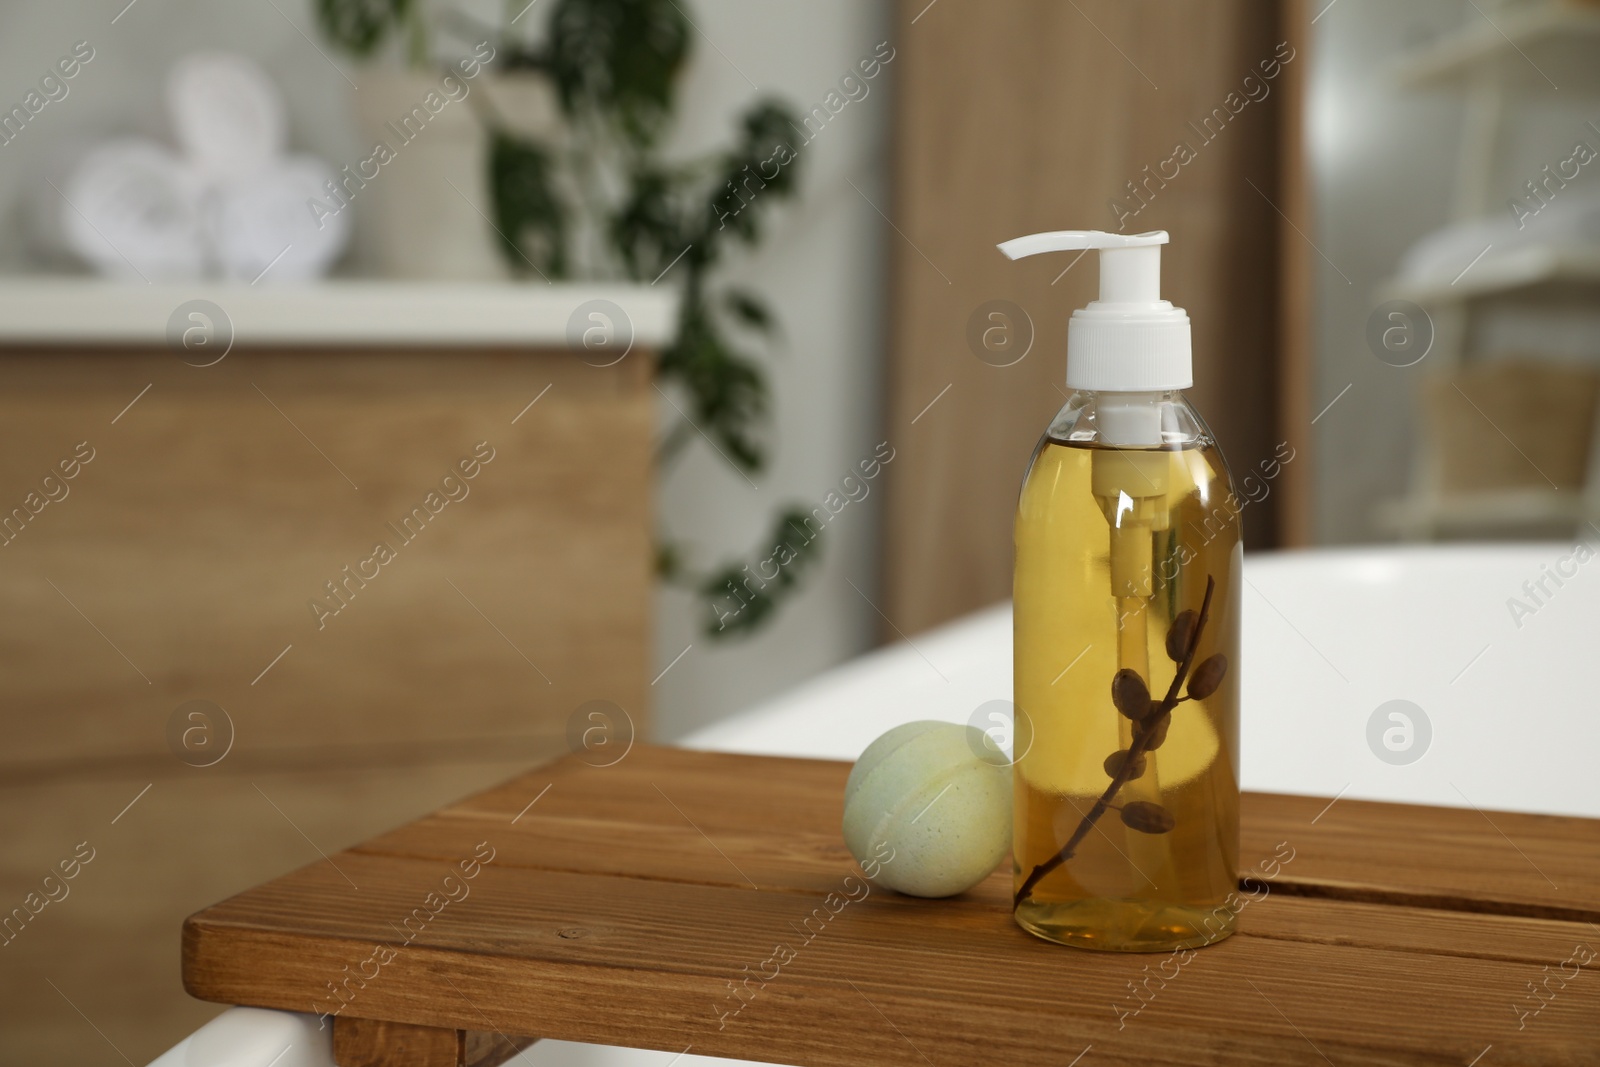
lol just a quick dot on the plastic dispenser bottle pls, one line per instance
(1126, 819)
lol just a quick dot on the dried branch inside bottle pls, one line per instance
(1117, 760)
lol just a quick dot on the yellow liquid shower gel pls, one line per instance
(1126, 783)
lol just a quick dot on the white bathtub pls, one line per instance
(1329, 636)
(1493, 647)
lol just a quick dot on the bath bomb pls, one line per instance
(938, 795)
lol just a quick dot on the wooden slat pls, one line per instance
(638, 938)
(376, 1043)
(1504, 863)
(589, 821)
(1499, 862)
(632, 961)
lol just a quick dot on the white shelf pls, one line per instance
(87, 311)
(1500, 509)
(1528, 49)
(1503, 273)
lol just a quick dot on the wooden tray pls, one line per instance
(704, 902)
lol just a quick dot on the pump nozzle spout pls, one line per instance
(1130, 263)
(1129, 340)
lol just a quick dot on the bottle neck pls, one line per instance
(1125, 419)
(1134, 420)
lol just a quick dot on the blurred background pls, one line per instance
(512, 370)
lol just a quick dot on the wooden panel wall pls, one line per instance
(1022, 115)
(179, 564)
(1296, 285)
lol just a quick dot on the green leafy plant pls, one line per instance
(600, 201)
(360, 26)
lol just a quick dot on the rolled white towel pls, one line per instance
(1570, 222)
(227, 114)
(132, 211)
(262, 226)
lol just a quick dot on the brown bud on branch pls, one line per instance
(1157, 729)
(1179, 635)
(1207, 677)
(1147, 817)
(1130, 694)
(1115, 762)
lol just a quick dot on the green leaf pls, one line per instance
(743, 597)
(727, 390)
(619, 58)
(531, 218)
(669, 561)
(513, 55)
(758, 171)
(359, 26)
(768, 124)
(647, 231)
(750, 310)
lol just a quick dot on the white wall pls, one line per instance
(821, 267)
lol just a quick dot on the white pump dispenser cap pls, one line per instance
(1130, 340)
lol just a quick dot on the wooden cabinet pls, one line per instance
(397, 568)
